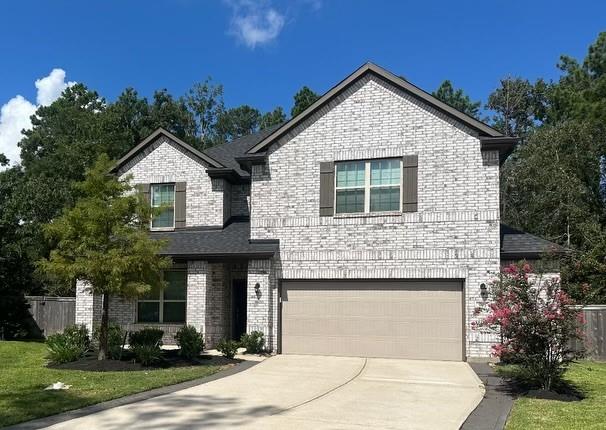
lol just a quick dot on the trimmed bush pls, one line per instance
(70, 345)
(228, 348)
(146, 336)
(254, 342)
(190, 342)
(146, 344)
(115, 339)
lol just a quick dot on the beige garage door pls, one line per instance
(398, 319)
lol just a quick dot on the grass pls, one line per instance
(24, 375)
(586, 414)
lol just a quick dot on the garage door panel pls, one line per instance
(407, 319)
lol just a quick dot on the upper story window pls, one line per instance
(368, 186)
(163, 196)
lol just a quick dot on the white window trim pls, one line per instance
(151, 201)
(161, 302)
(367, 187)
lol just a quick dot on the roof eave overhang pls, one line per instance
(504, 144)
(247, 161)
(230, 175)
(200, 156)
(369, 68)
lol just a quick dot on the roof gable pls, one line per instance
(197, 155)
(369, 68)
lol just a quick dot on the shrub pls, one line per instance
(70, 345)
(147, 354)
(115, 339)
(537, 322)
(146, 344)
(190, 342)
(253, 342)
(146, 336)
(228, 348)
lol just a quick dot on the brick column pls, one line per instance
(88, 306)
(261, 301)
(197, 272)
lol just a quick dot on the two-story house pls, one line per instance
(368, 225)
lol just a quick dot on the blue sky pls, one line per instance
(263, 51)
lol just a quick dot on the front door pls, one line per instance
(239, 308)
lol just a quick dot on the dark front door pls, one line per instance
(239, 308)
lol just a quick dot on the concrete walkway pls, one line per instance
(310, 392)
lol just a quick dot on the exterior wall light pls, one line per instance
(483, 291)
(258, 290)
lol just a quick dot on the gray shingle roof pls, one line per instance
(518, 244)
(233, 240)
(226, 154)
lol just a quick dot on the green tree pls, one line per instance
(457, 99)
(303, 99)
(275, 117)
(3, 160)
(65, 136)
(205, 101)
(551, 185)
(104, 240)
(581, 91)
(518, 105)
(173, 115)
(125, 123)
(16, 250)
(236, 122)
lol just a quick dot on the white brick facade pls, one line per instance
(162, 162)
(454, 234)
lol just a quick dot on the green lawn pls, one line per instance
(23, 376)
(587, 414)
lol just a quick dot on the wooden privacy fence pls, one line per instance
(52, 314)
(595, 331)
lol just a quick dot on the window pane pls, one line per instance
(174, 312)
(350, 174)
(148, 311)
(385, 172)
(164, 219)
(176, 285)
(163, 195)
(152, 294)
(385, 199)
(350, 201)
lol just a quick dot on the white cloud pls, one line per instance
(50, 87)
(15, 114)
(254, 22)
(14, 117)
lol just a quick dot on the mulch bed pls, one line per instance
(170, 359)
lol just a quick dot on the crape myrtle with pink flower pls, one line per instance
(538, 323)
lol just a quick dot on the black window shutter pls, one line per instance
(180, 193)
(410, 166)
(327, 188)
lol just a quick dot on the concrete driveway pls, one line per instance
(310, 392)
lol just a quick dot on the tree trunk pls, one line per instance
(104, 328)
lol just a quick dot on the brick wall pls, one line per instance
(454, 234)
(164, 161)
(240, 197)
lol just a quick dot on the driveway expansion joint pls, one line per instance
(326, 393)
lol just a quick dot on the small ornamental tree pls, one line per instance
(537, 321)
(104, 240)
